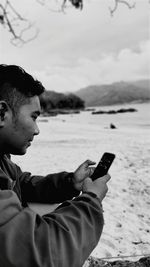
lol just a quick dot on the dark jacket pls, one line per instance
(62, 238)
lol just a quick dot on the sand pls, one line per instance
(67, 140)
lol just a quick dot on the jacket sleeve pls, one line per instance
(63, 238)
(53, 188)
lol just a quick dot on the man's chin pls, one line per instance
(20, 152)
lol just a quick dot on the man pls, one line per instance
(64, 237)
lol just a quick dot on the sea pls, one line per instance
(138, 119)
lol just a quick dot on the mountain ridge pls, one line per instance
(116, 93)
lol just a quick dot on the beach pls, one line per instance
(65, 141)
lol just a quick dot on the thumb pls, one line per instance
(105, 178)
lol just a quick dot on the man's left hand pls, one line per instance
(82, 172)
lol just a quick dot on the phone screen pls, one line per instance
(103, 166)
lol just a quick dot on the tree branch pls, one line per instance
(18, 25)
(14, 22)
(75, 3)
(117, 2)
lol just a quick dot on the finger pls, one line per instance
(90, 171)
(106, 178)
(89, 162)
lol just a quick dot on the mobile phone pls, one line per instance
(103, 166)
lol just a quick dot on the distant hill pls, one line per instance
(51, 100)
(115, 93)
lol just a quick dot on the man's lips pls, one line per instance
(29, 142)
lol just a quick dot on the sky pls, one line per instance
(75, 49)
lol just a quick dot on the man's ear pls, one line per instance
(3, 109)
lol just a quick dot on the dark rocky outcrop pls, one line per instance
(122, 110)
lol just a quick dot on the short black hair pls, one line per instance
(17, 86)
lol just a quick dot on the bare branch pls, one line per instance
(56, 9)
(117, 2)
(16, 24)
(15, 12)
(62, 4)
(20, 40)
(6, 20)
(75, 3)
(19, 26)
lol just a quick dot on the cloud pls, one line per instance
(127, 64)
(77, 49)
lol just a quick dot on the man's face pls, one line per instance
(21, 131)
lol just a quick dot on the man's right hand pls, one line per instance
(98, 187)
